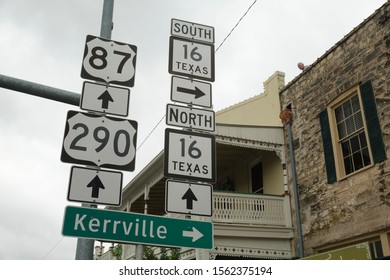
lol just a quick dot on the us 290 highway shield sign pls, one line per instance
(100, 141)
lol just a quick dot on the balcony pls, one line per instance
(250, 225)
(253, 209)
(246, 224)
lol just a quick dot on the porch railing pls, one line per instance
(232, 207)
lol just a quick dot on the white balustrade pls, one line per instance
(249, 209)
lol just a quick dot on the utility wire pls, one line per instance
(231, 31)
(227, 36)
(150, 133)
(55, 246)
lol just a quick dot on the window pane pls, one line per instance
(363, 141)
(366, 157)
(341, 129)
(350, 125)
(355, 144)
(358, 120)
(378, 249)
(339, 114)
(348, 165)
(345, 148)
(355, 103)
(347, 109)
(357, 161)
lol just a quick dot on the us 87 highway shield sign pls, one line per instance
(189, 155)
(100, 140)
(109, 61)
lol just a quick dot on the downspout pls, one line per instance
(286, 117)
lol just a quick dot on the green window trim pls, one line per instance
(372, 121)
(328, 147)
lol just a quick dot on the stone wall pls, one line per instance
(360, 204)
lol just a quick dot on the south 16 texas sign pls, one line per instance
(191, 50)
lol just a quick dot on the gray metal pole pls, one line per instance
(296, 192)
(85, 247)
(107, 16)
(40, 90)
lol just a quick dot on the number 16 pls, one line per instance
(193, 54)
(193, 151)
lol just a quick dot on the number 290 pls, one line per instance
(102, 136)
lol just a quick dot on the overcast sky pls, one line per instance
(43, 41)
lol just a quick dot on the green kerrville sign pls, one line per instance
(125, 227)
(355, 252)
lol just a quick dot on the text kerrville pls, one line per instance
(138, 228)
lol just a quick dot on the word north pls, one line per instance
(190, 117)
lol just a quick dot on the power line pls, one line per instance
(231, 31)
(150, 133)
(51, 250)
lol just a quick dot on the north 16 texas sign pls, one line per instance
(100, 141)
(125, 227)
(189, 155)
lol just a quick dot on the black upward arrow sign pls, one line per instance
(105, 97)
(96, 184)
(190, 197)
(196, 92)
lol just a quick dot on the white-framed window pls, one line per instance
(350, 137)
(351, 133)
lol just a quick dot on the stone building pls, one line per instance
(340, 129)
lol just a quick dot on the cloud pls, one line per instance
(43, 41)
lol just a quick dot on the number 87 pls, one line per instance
(99, 54)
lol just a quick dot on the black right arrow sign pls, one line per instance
(196, 92)
(190, 197)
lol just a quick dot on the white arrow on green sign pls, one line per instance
(116, 226)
